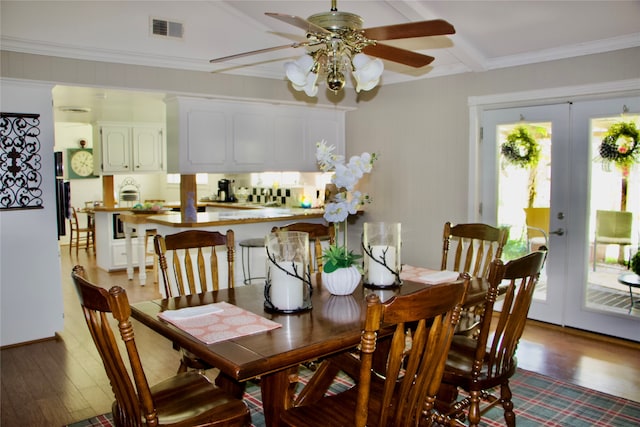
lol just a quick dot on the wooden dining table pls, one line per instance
(332, 326)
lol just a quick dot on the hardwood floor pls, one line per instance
(56, 382)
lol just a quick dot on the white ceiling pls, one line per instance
(489, 34)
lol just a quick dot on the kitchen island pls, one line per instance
(245, 223)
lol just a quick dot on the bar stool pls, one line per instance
(246, 246)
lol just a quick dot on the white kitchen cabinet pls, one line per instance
(131, 148)
(221, 136)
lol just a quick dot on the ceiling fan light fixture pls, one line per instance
(300, 74)
(366, 71)
(311, 85)
(297, 71)
(303, 73)
(335, 80)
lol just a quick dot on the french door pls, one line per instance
(578, 286)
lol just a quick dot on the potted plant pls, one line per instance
(341, 271)
(635, 262)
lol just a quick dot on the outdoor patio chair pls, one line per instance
(612, 228)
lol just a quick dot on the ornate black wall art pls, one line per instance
(20, 161)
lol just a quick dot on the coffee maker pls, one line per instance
(225, 193)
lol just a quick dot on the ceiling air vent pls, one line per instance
(165, 28)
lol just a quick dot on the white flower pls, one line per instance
(364, 162)
(355, 203)
(336, 212)
(347, 201)
(326, 159)
(345, 177)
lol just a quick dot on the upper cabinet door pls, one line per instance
(205, 141)
(252, 139)
(147, 148)
(116, 148)
(290, 147)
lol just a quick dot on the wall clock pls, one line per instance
(80, 163)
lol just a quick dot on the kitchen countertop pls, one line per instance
(236, 216)
(173, 205)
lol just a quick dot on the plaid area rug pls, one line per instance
(538, 401)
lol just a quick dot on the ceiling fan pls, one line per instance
(337, 42)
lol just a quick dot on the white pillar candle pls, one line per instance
(377, 273)
(287, 292)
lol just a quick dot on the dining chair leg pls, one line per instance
(507, 404)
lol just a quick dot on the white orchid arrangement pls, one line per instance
(346, 201)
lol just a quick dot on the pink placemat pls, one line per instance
(224, 322)
(427, 275)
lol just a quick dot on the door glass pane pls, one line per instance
(524, 189)
(613, 217)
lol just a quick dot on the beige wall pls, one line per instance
(420, 129)
(421, 178)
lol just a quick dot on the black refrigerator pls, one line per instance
(63, 195)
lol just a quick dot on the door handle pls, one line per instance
(558, 232)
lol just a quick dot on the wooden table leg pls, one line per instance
(278, 390)
(230, 385)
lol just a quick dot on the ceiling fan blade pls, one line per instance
(434, 27)
(255, 52)
(396, 54)
(296, 21)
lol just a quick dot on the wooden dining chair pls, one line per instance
(478, 365)
(473, 246)
(401, 390)
(81, 236)
(318, 233)
(186, 399)
(193, 267)
(470, 248)
(194, 251)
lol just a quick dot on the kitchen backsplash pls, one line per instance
(289, 197)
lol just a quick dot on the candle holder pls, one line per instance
(381, 246)
(288, 285)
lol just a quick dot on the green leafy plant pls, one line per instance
(635, 263)
(620, 145)
(521, 148)
(335, 257)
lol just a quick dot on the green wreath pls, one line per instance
(521, 149)
(620, 144)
